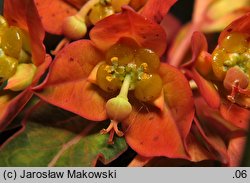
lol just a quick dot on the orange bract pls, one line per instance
(67, 85)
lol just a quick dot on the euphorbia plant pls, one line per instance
(119, 74)
(228, 66)
(73, 18)
(223, 76)
(22, 57)
(208, 16)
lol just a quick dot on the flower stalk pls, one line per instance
(118, 109)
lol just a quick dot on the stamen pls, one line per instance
(143, 75)
(109, 69)
(230, 63)
(120, 70)
(114, 59)
(144, 66)
(131, 67)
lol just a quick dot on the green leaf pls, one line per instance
(54, 137)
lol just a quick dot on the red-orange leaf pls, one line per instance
(236, 149)
(156, 9)
(216, 132)
(24, 15)
(165, 130)
(196, 148)
(11, 104)
(207, 90)
(235, 114)
(53, 13)
(129, 24)
(66, 85)
(153, 133)
(77, 3)
(199, 44)
(215, 143)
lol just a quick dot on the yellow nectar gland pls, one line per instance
(75, 27)
(14, 49)
(231, 63)
(133, 74)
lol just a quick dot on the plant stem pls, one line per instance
(85, 9)
(125, 86)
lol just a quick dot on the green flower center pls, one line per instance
(128, 67)
(139, 63)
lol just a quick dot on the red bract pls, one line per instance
(222, 130)
(53, 13)
(107, 34)
(218, 138)
(208, 16)
(201, 60)
(214, 130)
(156, 10)
(23, 14)
(149, 130)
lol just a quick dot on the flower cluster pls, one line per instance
(121, 61)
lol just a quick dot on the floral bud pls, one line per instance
(74, 28)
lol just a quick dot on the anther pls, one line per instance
(144, 66)
(114, 60)
(144, 76)
(109, 69)
(120, 70)
(109, 78)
